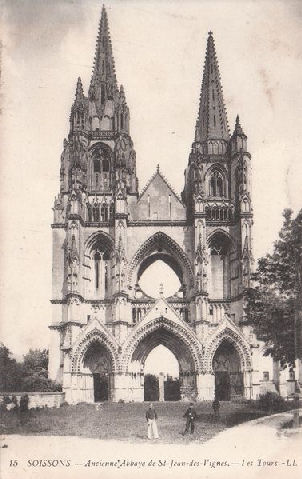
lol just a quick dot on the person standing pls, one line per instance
(216, 407)
(23, 409)
(151, 417)
(190, 414)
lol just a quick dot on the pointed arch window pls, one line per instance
(105, 166)
(100, 168)
(97, 259)
(216, 184)
(79, 120)
(101, 271)
(104, 212)
(122, 121)
(106, 278)
(219, 186)
(89, 211)
(219, 268)
(111, 210)
(244, 173)
(96, 212)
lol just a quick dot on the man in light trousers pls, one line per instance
(151, 417)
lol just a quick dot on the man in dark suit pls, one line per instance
(190, 414)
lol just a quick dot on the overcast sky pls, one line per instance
(159, 52)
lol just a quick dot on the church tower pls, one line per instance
(97, 181)
(106, 234)
(217, 196)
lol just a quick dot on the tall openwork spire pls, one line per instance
(103, 82)
(212, 117)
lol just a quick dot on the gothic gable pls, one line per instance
(158, 201)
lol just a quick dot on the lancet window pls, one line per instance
(100, 170)
(216, 184)
(101, 267)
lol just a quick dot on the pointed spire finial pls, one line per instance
(238, 129)
(212, 121)
(122, 93)
(157, 168)
(79, 90)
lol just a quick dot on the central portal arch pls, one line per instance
(177, 338)
(161, 247)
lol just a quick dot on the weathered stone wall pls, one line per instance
(38, 399)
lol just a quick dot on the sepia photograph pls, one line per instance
(151, 234)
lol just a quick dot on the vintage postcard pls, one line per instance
(151, 285)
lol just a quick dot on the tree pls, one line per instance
(36, 361)
(30, 375)
(274, 304)
(35, 365)
(151, 388)
(172, 389)
(10, 371)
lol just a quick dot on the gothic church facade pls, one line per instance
(106, 233)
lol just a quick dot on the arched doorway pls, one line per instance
(98, 362)
(228, 373)
(181, 351)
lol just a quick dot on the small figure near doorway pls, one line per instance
(191, 415)
(216, 407)
(151, 417)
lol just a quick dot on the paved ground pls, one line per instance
(258, 448)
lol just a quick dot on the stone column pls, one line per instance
(161, 387)
(251, 385)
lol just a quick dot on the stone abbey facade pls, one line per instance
(106, 233)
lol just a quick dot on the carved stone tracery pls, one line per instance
(236, 340)
(104, 338)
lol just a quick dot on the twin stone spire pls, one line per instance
(212, 121)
